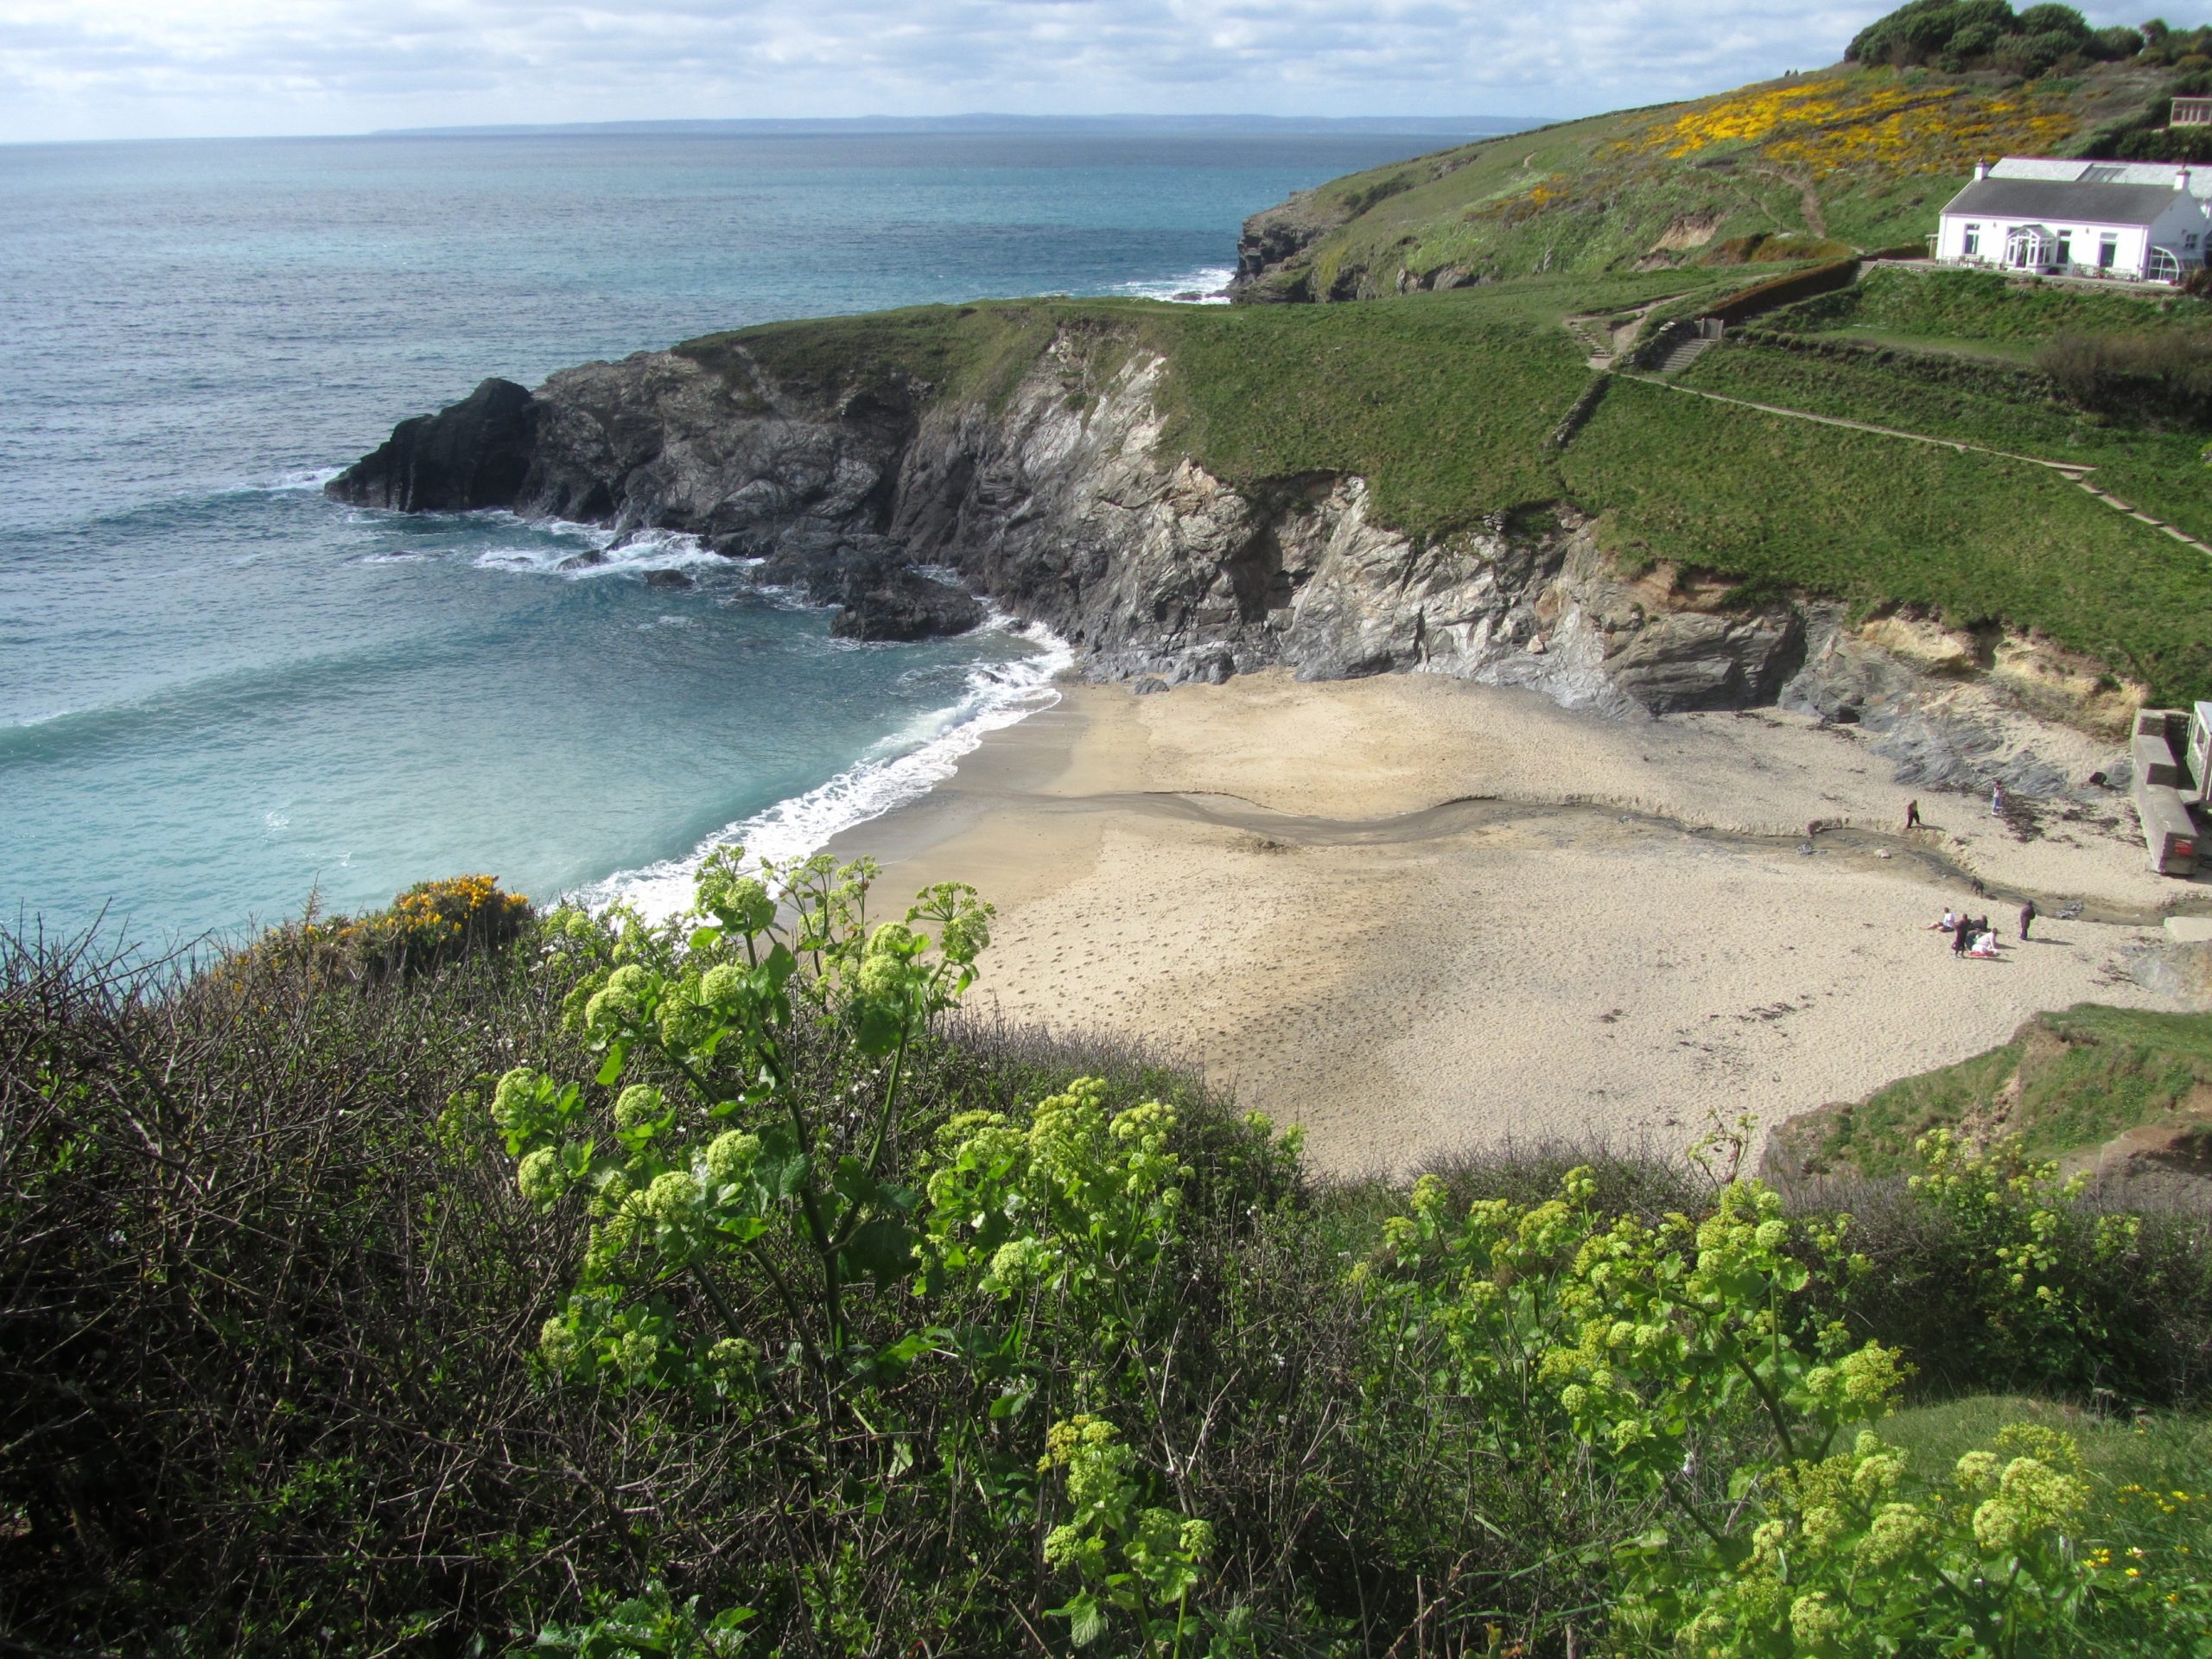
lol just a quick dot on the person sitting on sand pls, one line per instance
(1948, 925)
(1984, 945)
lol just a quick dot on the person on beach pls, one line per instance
(1997, 800)
(1948, 925)
(2027, 915)
(1911, 815)
(1959, 939)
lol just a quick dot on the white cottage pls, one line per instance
(2137, 220)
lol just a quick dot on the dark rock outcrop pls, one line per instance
(471, 455)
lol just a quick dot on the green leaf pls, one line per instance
(610, 1069)
(1086, 1618)
(883, 1250)
(791, 1175)
(879, 1029)
(703, 937)
(853, 1184)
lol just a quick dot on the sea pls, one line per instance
(224, 696)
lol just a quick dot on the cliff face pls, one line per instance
(1069, 510)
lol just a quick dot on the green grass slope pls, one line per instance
(2067, 1082)
(1845, 158)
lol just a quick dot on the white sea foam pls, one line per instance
(1205, 284)
(903, 768)
(634, 555)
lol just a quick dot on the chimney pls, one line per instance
(1981, 169)
(2180, 178)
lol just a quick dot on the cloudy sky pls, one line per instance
(73, 69)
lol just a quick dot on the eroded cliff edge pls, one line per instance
(1059, 500)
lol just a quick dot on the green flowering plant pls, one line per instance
(2032, 1259)
(696, 1148)
(1137, 1558)
(1846, 1558)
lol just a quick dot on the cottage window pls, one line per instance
(1973, 244)
(2064, 257)
(2107, 251)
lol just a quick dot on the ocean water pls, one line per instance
(221, 693)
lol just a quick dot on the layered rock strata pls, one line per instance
(1069, 510)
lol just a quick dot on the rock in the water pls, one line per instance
(475, 454)
(675, 579)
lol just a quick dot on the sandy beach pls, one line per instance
(1417, 915)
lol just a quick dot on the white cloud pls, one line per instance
(115, 68)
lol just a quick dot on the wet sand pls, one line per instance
(1417, 915)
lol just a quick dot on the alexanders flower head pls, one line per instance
(541, 1177)
(514, 1102)
(722, 987)
(639, 1103)
(884, 978)
(673, 1195)
(731, 1155)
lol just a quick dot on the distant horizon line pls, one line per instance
(988, 121)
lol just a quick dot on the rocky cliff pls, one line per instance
(1060, 502)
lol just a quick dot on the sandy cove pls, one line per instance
(1415, 915)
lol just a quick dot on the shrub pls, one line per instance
(689, 1287)
(2164, 377)
(1962, 34)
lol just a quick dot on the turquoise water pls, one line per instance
(220, 692)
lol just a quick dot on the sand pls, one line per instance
(1419, 916)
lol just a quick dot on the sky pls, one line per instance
(92, 69)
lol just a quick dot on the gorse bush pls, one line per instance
(713, 1286)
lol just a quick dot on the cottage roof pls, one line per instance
(2050, 198)
(2198, 181)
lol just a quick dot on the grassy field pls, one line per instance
(1442, 402)
(2081, 1076)
(1783, 504)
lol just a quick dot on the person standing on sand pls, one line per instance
(1959, 937)
(2027, 915)
(1911, 815)
(1997, 800)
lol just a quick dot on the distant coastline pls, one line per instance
(1419, 126)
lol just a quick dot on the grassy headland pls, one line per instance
(1445, 403)
(1852, 158)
